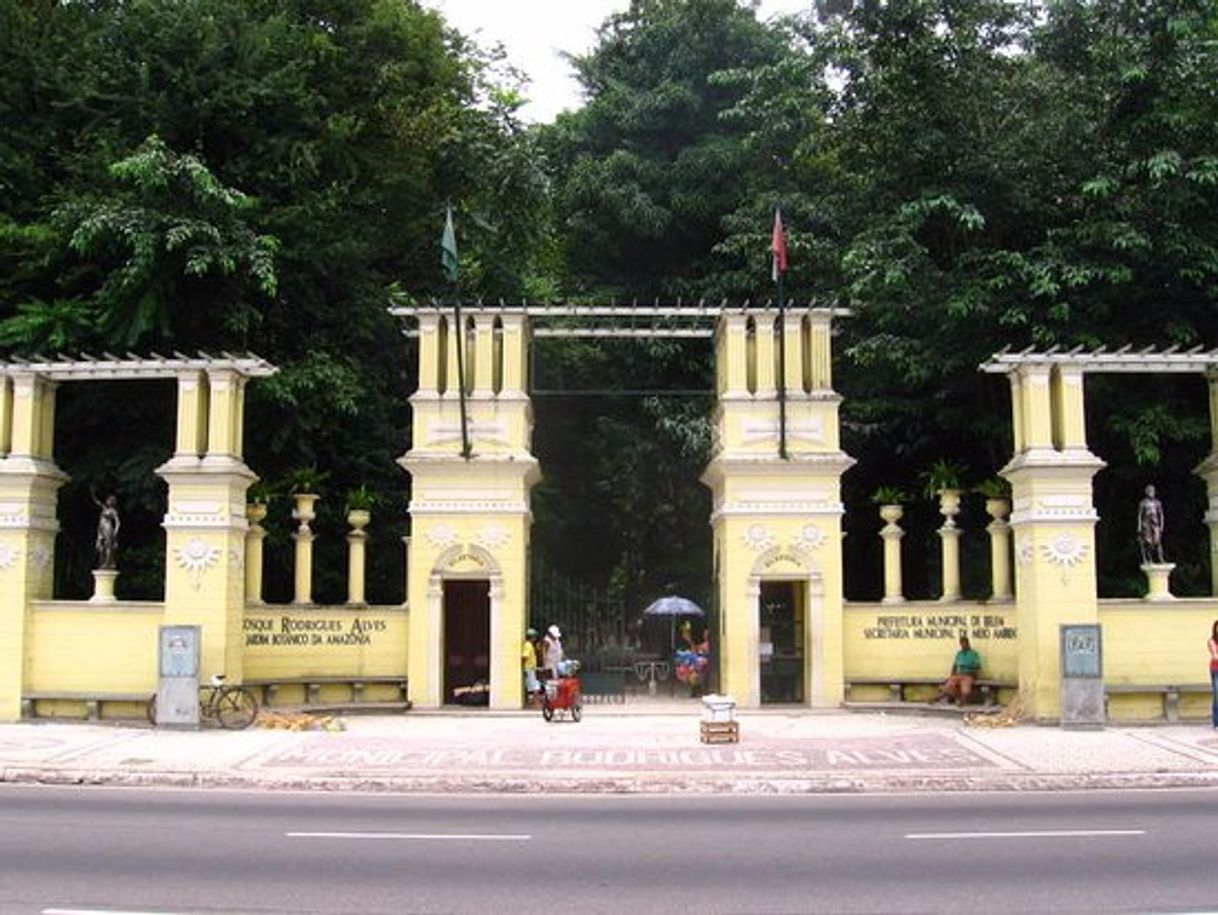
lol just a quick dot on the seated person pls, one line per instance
(965, 668)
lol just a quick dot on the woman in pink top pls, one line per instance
(1214, 673)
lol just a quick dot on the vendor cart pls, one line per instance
(562, 695)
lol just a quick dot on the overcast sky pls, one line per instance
(537, 32)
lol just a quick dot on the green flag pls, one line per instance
(448, 248)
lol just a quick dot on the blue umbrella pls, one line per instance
(672, 607)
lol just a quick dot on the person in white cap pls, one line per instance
(552, 651)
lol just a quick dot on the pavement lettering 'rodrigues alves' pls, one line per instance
(379, 754)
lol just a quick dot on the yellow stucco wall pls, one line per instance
(292, 642)
(78, 646)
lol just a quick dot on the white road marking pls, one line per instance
(466, 837)
(103, 912)
(1030, 834)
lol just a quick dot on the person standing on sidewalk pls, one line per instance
(552, 651)
(1213, 645)
(528, 660)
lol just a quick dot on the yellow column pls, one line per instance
(456, 337)
(223, 386)
(429, 352)
(766, 382)
(6, 415)
(255, 512)
(1017, 433)
(356, 558)
(822, 356)
(734, 354)
(27, 415)
(304, 537)
(239, 417)
(1070, 419)
(484, 355)
(1000, 549)
(46, 430)
(191, 432)
(793, 360)
(1036, 406)
(891, 534)
(515, 352)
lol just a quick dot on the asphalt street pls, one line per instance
(87, 850)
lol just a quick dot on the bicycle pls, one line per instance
(232, 707)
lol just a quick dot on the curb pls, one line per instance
(602, 784)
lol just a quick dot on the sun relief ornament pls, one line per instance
(441, 535)
(8, 556)
(196, 557)
(758, 537)
(811, 536)
(1064, 550)
(493, 536)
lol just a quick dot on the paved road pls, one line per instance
(134, 850)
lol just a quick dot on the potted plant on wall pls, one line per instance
(257, 498)
(304, 486)
(360, 502)
(944, 479)
(997, 494)
(890, 499)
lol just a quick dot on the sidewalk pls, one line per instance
(617, 749)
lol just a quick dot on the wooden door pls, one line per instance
(467, 635)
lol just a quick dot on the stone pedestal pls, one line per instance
(356, 555)
(949, 534)
(891, 534)
(103, 586)
(304, 513)
(1157, 575)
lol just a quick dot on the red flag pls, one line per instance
(778, 244)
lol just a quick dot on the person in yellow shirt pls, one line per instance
(528, 659)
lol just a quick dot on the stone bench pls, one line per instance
(983, 688)
(1170, 694)
(312, 687)
(92, 700)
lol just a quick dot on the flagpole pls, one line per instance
(782, 372)
(460, 331)
(450, 263)
(780, 268)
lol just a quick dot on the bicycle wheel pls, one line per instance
(577, 712)
(150, 710)
(207, 704)
(547, 710)
(236, 708)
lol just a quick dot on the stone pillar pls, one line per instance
(356, 556)
(470, 519)
(304, 513)
(731, 354)
(256, 513)
(1069, 418)
(29, 486)
(891, 534)
(949, 535)
(1000, 549)
(776, 520)
(1053, 520)
(1208, 471)
(822, 351)
(205, 524)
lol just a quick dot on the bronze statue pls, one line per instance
(1150, 527)
(108, 524)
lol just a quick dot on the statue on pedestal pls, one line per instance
(1150, 528)
(108, 524)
